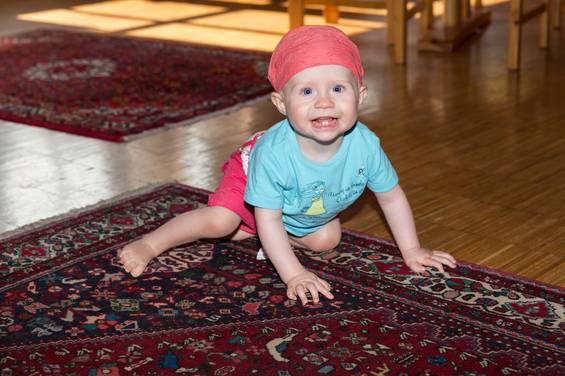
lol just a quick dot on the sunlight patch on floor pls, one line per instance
(68, 17)
(276, 22)
(184, 32)
(235, 29)
(369, 11)
(149, 10)
(255, 29)
(494, 2)
(246, 2)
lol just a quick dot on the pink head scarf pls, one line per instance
(309, 46)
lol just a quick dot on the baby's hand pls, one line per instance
(307, 281)
(418, 258)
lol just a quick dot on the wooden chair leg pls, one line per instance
(452, 13)
(427, 16)
(555, 12)
(514, 34)
(331, 11)
(465, 10)
(399, 24)
(296, 13)
(389, 22)
(398, 16)
(544, 26)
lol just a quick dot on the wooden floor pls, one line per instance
(480, 151)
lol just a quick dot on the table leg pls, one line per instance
(514, 34)
(452, 13)
(544, 26)
(555, 11)
(296, 13)
(459, 23)
(331, 11)
(399, 26)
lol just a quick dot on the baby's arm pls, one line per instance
(274, 240)
(399, 217)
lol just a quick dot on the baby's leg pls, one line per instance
(209, 222)
(324, 239)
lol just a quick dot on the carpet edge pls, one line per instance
(37, 225)
(197, 119)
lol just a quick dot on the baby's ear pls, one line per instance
(278, 101)
(362, 94)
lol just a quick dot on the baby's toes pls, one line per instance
(128, 257)
(137, 270)
(124, 255)
(129, 265)
(125, 250)
(134, 267)
(126, 267)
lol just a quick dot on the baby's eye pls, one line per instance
(338, 88)
(307, 91)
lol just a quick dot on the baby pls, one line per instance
(288, 184)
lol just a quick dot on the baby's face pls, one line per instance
(321, 102)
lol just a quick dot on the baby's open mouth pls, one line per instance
(325, 122)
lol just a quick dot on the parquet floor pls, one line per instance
(480, 151)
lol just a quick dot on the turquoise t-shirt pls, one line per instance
(312, 193)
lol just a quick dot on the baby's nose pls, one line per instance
(324, 101)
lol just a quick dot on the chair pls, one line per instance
(519, 16)
(557, 7)
(398, 14)
(460, 21)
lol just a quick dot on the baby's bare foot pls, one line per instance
(135, 256)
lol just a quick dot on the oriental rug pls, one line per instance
(211, 308)
(113, 87)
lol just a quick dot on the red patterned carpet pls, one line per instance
(112, 87)
(211, 308)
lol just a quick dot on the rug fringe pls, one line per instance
(224, 111)
(78, 211)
